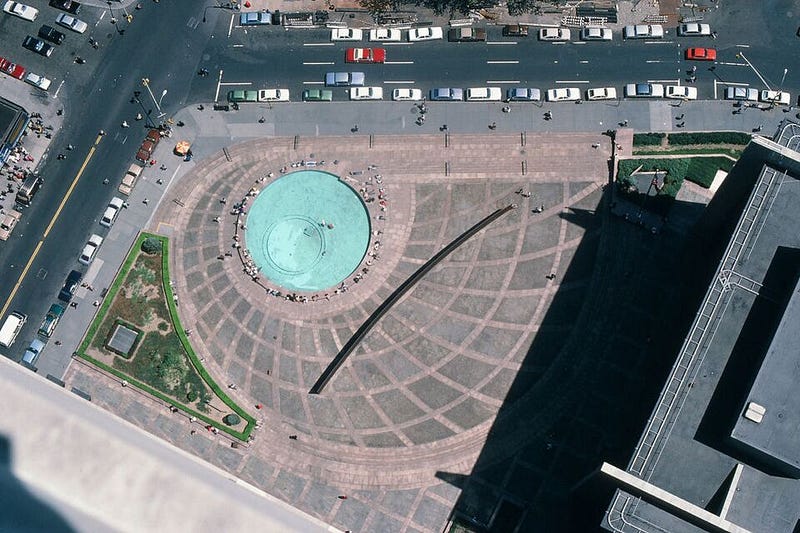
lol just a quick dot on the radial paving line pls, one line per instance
(50, 226)
(387, 304)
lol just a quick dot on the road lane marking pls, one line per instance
(659, 61)
(502, 81)
(734, 83)
(502, 62)
(53, 220)
(398, 81)
(676, 81)
(572, 81)
(60, 85)
(236, 83)
(742, 46)
(317, 44)
(501, 43)
(584, 62)
(219, 83)
(399, 63)
(732, 64)
(312, 63)
(238, 46)
(659, 42)
(230, 26)
(313, 83)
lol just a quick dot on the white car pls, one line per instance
(693, 28)
(346, 34)
(563, 94)
(400, 95)
(366, 93)
(596, 34)
(643, 31)
(554, 34)
(385, 35)
(90, 250)
(775, 97)
(644, 90)
(484, 94)
(110, 215)
(273, 95)
(21, 10)
(681, 92)
(425, 34)
(72, 23)
(601, 93)
(37, 81)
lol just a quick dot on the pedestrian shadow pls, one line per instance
(21, 510)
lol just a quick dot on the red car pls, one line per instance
(12, 69)
(365, 55)
(701, 54)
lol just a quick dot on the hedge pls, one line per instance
(719, 137)
(648, 139)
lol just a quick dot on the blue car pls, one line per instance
(447, 94)
(344, 79)
(255, 18)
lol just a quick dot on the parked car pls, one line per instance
(255, 18)
(273, 95)
(644, 90)
(596, 34)
(385, 35)
(37, 45)
(37, 81)
(691, 29)
(563, 94)
(346, 34)
(66, 5)
(317, 95)
(554, 34)
(425, 34)
(365, 55)
(111, 212)
(466, 35)
(12, 69)
(71, 22)
(643, 31)
(241, 96)
(90, 249)
(447, 94)
(601, 93)
(22, 11)
(406, 94)
(523, 94)
(681, 92)
(70, 286)
(344, 79)
(366, 93)
(775, 97)
(741, 93)
(484, 94)
(701, 54)
(51, 320)
(515, 30)
(8, 221)
(49, 33)
(33, 351)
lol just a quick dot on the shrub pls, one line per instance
(648, 139)
(719, 137)
(232, 419)
(151, 246)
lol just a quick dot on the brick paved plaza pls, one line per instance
(414, 407)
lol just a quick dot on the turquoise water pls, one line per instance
(307, 230)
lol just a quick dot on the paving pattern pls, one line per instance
(422, 392)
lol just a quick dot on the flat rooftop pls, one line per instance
(740, 348)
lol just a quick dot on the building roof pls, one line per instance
(740, 349)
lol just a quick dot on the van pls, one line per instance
(29, 188)
(11, 327)
(33, 351)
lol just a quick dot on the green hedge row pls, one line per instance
(648, 139)
(719, 137)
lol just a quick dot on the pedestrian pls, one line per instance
(145, 201)
(125, 205)
(163, 167)
(342, 497)
(223, 200)
(493, 125)
(625, 123)
(292, 437)
(125, 124)
(679, 117)
(355, 128)
(101, 132)
(105, 181)
(58, 343)
(70, 147)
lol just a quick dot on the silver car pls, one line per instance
(447, 94)
(524, 94)
(344, 79)
(741, 93)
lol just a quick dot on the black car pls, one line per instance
(71, 283)
(66, 5)
(49, 33)
(37, 45)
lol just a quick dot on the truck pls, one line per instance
(8, 222)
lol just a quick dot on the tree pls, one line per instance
(377, 6)
(151, 245)
(232, 419)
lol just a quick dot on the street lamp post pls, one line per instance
(161, 113)
(146, 83)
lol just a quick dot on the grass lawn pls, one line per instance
(700, 170)
(162, 362)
